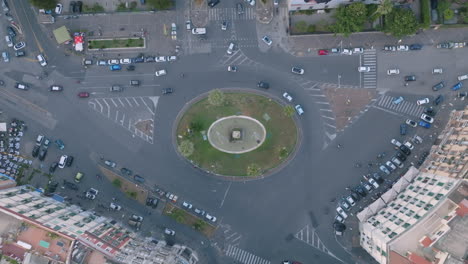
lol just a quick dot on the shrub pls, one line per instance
(117, 183)
(425, 13)
(311, 28)
(448, 14)
(301, 27)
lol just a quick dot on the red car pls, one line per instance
(323, 52)
(83, 95)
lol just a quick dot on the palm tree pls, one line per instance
(385, 7)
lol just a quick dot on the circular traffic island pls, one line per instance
(233, 133)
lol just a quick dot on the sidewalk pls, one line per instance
(199, 13)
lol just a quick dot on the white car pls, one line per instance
(125, 61)
(171, 58)
(390, 165)
(169, 232)
(358, 50)
(409, 145)
(9, 41)
(423, 101)
(402, 48)
(188, 25)
(463, 77)
(62, 161)
(393, 72)
(347, 52)
(58, 9)
(363, 69)
(112, 62)
(339, 219)
(395, 142)
(231, 48)
(350, 200)
(397, 162)
(187, 205)
(427, 118)
(90, 196)
(411, 123)
(232, 68)
(251, 2)
(115, 207)
(287, 97)
(161, 73)
(437, 71)
(297, 70)
(341, 212)
(267, 40)
(374, 183)
(210, 217)
(42, 60)
(160, 59)
(299, 109)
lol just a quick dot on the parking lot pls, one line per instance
(136, 114)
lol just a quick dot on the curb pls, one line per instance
(269, 172)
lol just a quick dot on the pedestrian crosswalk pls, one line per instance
(237, 58)
(369, 79)
(219, 14)
(310, 237)
(405, 107)
(244, 257)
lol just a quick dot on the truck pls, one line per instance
(199, 31)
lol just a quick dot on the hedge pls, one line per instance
(425, 13)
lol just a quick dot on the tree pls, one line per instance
(301, 26)
(289, 110)
(401, 22)
(254, 170)
(186, 148)
(448, 14)
(385, 7)
(44, 4)
(161, 4)
(216, 97)
(117, 183)
(196, 126)
(349, 18)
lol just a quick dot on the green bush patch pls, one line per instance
(184, 217)
(279, 144)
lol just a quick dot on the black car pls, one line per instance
(11, 32)
(139, 59)
(42, 154)
(149, 59)
(410, 78)
(69, 161)
(263, 85)
(405, 150)
(415, 47)
(53, 167)
(134, 82)
(72, 7)
(439, 99)
(35, 151)
(438, 86)
(339, 228)
(51, 187)
(403, 129)
(20, 53)
(212, 3)
(130, 68)
(138, 178)
(355, 196)
(153, 202)
(400, 156)
(126, 171)
(360, 190)
(430, 111)
(167, 91)
(70, 185)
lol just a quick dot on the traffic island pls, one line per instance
(116, 43)
(237, 134)
(186, 218)
(130, 189)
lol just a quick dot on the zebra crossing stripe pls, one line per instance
(244, 256)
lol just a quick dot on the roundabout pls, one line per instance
(245, 134)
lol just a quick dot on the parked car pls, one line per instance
(350, 200)
(346, 52)
(397, 162)
(20, 53)
(19, 45)
(167, 91)
(187, 205)
(405, 150)
(125, 61)
(11, 32)
(115, 207)
(21, 86)
(42, 154)
(403, 129)
(422, 101)
(9, 40)
(390, 166)
(42, 60)
(341, 212)
(457, 86)
(395, 142)
(390, 48)
(83, 95)
(138, 178)
(126, 171)
(411, 123)
(115, 67)
(69, 161)
(393, 71)
(427, 118)
(402, 48)
(322, 52)
(424, 124)
(344, 205)
(384, 169)
(373, 183)
(416, 47)
(62, 161)
(410, 78)
(297, 70)
(408, 145)
(263, 84)
(6, 56)
(212, 3)
(137, 218)
(78, 177)
(101, 63)
(168, 231)
(210, 217)
(153, 202)
(358, 50)
(232, 68)
(439, 99)
(59, 143)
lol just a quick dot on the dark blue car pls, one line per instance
(403, 128)
(424, 124)
(415, 47)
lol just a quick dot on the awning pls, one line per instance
(61, 35)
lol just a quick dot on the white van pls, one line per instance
(199, 31)
(63, 161)
(9, 41)
(230, 49)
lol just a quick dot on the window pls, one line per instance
(406, 225)
(440, 184)
(431, 194)
(438, 196)
(416, 216)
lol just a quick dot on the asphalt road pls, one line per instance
(262, 219)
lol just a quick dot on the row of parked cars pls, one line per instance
(188, 206)
(139, 59)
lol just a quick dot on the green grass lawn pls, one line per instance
(281, 133)
(116, 43)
